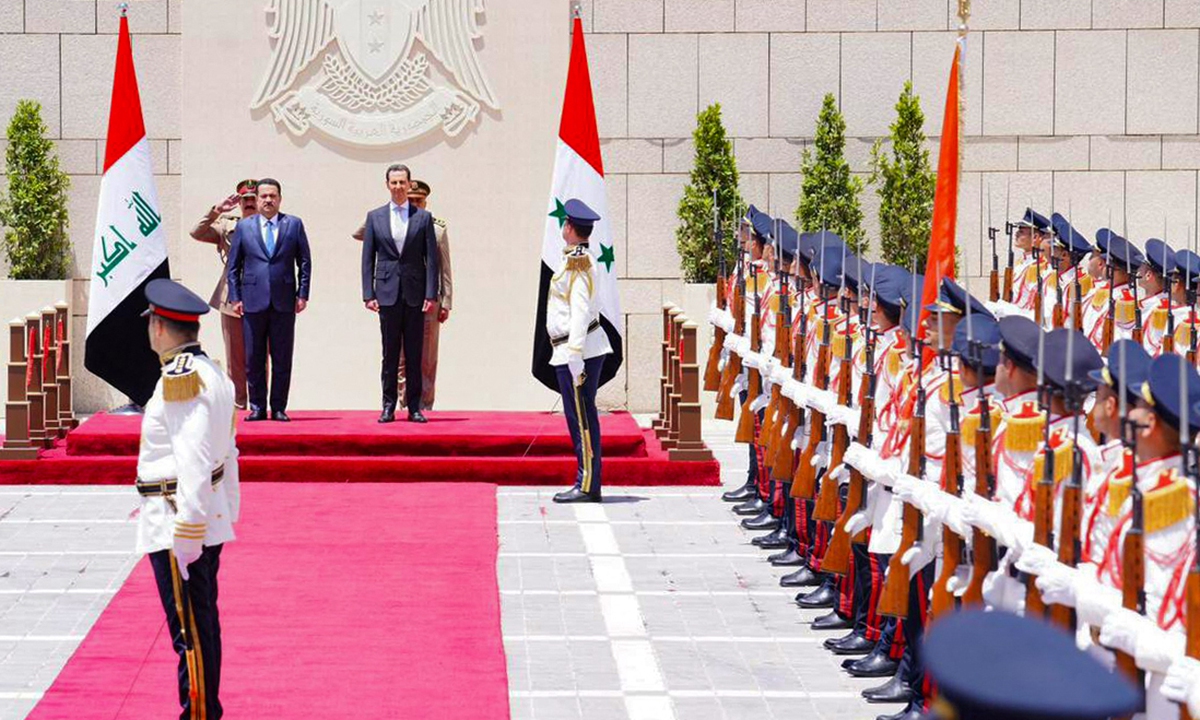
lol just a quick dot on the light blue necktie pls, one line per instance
(270, 240)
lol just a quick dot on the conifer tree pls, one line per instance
(905, 182)
(714, 168)
(34, 210)
(828, 192)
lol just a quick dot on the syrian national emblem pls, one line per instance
(374, 86)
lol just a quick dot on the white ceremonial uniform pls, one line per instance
(892, 361)
(188, 441)
(1154, 323)
(573, 310)
(1017, 439)
(1024, 281)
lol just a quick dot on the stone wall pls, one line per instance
(1088, 107)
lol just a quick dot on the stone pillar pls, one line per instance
(659, 421)
(50, 373)
(33, 385)
(17, 445)
(66, 404)
(691, 446)
(676, 365)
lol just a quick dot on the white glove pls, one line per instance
(750, 359)
(858, 522)
(1093, 599)
(780, 374)
(1001, 309)
(918, 556)
(187, 552)
(799, 437)
(742, 346)
(1002, 592)
(953, 517)
(821, 455)
(856, 455)
(1121, 629)
(998, 521)
(575, 365)
(840, 474)
(1056, 583)
(887, 472)
(1182, 683)
(759, 402)
(739, 384)
(822, 401)
(842, 415)
(1156, 649)
(731, 342)
(1037, 559)
(802, 392)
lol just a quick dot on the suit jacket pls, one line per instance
(260, 281)
(390, 275)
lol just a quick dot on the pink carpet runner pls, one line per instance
(337, 601)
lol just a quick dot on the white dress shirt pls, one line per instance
(399, 219)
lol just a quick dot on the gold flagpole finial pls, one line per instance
(124, 8)
(964, 15)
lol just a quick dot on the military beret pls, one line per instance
(1035, 220)
(173, 301)
(579, 213)
(1172, 385)
(1126, 356)
(1160, 257)
(858, 272)
(1102, 237)
(980, 332)
(812, 244)
(1069, 355)
(1019, 340)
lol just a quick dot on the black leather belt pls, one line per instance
(167, 487)
(556, 341)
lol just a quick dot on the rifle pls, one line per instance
(784, 465)
(942, 599)
(1137, 305)
(733, 367)
(1110, 320)
(770, 418)
(983, 547)
(1189, 289)
(1059, 316)
(783, 351)
(1043, 492)
(837, 555)
(893, 599)
(1168, 341)
(804, 483)
(1191, 466)
(746, 421)
(1133, 552)
(826, 509)
(712, 373)
(1071, 517)
(1077, 301)
(994, 295)
(1009, 228)
(1038, 306)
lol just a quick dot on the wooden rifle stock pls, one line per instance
(983, 546)
(942, 600)
(745, 428)
(712, 373)
(1008, 283)
(804, 482)
(1043, 525)
(733, 368)
(1133, 584)
(784, 464)
(783, 407)
(994, 283)
(893, 600)
(837, 555)
(1192, 646)
(826, 509)
(1070, 523)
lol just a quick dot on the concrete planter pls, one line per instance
(18, 298)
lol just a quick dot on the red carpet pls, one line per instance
(350, 447)
(363, 601)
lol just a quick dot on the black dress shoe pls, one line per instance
(874, 665)
(828, 643)
(772, 541)
(416, 417)
(762, 521)
(895, 690)
(852, 644)
(386, 417)
(280, 416)
(753, 506)
(256, 415)
(576, 495)
(804, 577)
(832, 621)
(823, 597)
(787, 558)
(913, 711)
(742, 494)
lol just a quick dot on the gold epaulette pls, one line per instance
(895, 357)
(579, 259)
(1118, 492)
(944, 391)
(1022, 434)
(1168, 505)
(972, 422)
(837, 343)
(1158, 318)
(1031, 274)
(439, 222)
(773, 303)
(1126, 311)
(1085, 284)
(1183, 336)
(1100, 299)
(180, 380)
(1063, 457)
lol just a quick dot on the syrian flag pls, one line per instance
(578, 173)
(129, 248)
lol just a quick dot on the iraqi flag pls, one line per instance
(578, 173)
(129, 248)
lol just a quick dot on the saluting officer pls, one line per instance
(580, 347)
(188, 483)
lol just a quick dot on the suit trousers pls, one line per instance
(591, 384)
(401, 325)
(274, 332)
(235, 355)
(200, 607)
(429, 360)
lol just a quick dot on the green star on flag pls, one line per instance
(560, 213)
(607, 256)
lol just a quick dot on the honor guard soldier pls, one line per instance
(1183, 300)
(1070, 248)
(1032, 229)
(1155, 280)
(188, 483)
(580, 347)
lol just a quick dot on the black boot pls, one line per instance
(895, 690)
(825, 596)
(576, 495)
(804, 577)
(753, 506)
(912, 711)
(772, 541)
(742, 494)
(855, 643)
(790, 557)
(831, 621)
(762, 521)
(875, 664)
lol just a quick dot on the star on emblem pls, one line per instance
(375, 45)
(560, 212)
(376, 17)
(607, 256)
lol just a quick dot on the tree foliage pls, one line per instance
(905, 183)
(828, 192)
(715, 169)
(34, 210)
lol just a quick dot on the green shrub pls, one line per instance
(715, 169)
(905, 183)
(828, 192)
(34, 210)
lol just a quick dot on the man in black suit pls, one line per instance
(400, 282)
(269, 252)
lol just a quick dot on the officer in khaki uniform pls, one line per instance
(187, 477)
(216, 227)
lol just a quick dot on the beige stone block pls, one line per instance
(81, 210)
(932, 55)
(175, 157)
(30, 72)
(613, 395)
(175, 16)
(913, 15)
(699, 15)
(1056, 14)
(1089, 82)
(831, 15)
(869, 201)
(1090, 199)
(994, 15)
(616, 189)
(1018, 72)
(767, 154)
(158, 156)
(631, 156)
(1181, 13)
(663, 99)
(803, 69)
(652, 222)
(989, 154)
(1180, 152)
(1162, 75)
(644, 361)
(170, 202)
(608, 62)
(743, 95)
(87, 84)
(60, 16)
(1023, 190)
(145, 16)
(1126, 14)
(1160, 198)
(1126, 152)
(874, 68)
(587, 17)
(784, 193)
(974, 249)
(770, 15)
(640, 297)
(628, 16)
(754, 189)
(858, 153)
(1000, 204)
(12, 16)
(1052, 153)
(78, 157)
(679, 155)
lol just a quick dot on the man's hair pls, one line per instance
(270, 181)
(893, 315)
(394, 167)
(186, 331)
(583, 231)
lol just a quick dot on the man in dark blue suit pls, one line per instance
(270, 269)
(400, 282)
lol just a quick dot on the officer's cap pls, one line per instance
(812, 243)
(1068, 237)
(952, 298)
(789, 241)
(984, 332)
(248, 188)
(1136, 368)
(910, 303)
(420, 188)
(1187, 264)
(891, 284)
(999, 666)
(858, 273)
(760, 223)
(1122, 254)
(827, 265)
(1168, 374)
(173, 301)
(580, 214)
(1019, 340)
(1082, 359)
(1035, 220)
(1160, 257)
(1103, 235)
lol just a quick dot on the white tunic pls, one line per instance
(573, 311)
